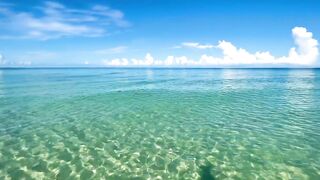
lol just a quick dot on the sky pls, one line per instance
(160, 33)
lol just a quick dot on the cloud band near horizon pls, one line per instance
(305, 52)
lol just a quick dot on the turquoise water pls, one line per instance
(159, 124)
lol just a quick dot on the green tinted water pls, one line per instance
(159, 124)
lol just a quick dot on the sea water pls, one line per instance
(159, 123)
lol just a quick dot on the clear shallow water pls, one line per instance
(159, 124)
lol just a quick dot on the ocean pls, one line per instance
(114, 123)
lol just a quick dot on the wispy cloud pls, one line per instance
(305, 52)
(54, 20)
(114, 50)
(2, 61)
(195, 45)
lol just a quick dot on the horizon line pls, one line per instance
(145, 67)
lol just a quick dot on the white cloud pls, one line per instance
(305, 52)
(196, 45)
(307, 47)
(114, 50)
(2, 61)
(28, 58)
(149, 61)
(54, 20)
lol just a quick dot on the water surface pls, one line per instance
(159, 123)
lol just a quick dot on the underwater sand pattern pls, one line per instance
(159, 124)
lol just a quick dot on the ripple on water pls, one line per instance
(162, 132)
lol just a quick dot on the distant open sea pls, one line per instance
(159, 123)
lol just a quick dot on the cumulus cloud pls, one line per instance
(147, 61)
(305, 52)
(54, 20)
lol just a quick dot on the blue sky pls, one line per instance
(160, 33)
